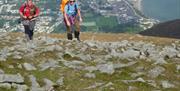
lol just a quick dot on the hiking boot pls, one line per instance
(69, 36)
(27, 38)
(76, 34)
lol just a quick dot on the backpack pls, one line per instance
(63, 4)
(32, 10)
(74, 6)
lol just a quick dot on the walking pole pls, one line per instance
(20, 19)
(47, 15)
(58, 6)
(45, 34)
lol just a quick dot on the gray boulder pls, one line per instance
(37, 89)
(132, 81)
(130, 53)
(91, 43)
(95, 85)
(4, 54)
(20, 87)
(53, 48)
(49, 40)
(106, 68)
(109, 84)
(132, 88)
(123, 43)
(85, 57)
(155, 72)
(5, 85)
(160, 61)
(17, 57)
(60, 81)
(49, 64)
(34, 83)
(1, 71)
(156, 56)
(29, 67)
(90, 75)
(152, 83)
(90, 68)
(170, 52)
(11, 78)
(48, 84)
(138, 74)
(20, 66)
(178, 68)
(166, 84)
(120, 65)
(74, 64)
(11, 66)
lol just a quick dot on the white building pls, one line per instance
(137, 4)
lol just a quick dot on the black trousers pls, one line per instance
(29, 32)
(29, 28)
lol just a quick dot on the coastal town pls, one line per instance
(125, 11)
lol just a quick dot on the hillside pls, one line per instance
(101, 62)
(168, 29)
(96, 16)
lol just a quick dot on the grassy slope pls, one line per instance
(74, 80)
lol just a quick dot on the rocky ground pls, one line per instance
(101, 62)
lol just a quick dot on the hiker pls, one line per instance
(28, 12)
(72, 18)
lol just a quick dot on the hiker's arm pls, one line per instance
(21, 10)
(79, 14)
(65, 16)
(37, 12)
(66, 19)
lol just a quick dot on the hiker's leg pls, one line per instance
(69, 36)
(31, 32)
(77, 31)
(77, 25)
(69, 31)
(27, 32)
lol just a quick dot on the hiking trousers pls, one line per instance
(75, 24)
(29, 28)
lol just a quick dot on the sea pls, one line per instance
(162, 10)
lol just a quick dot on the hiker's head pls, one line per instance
(29, 2)
(71, 1)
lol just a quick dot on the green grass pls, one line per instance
(74, 80)
(4, 89)
(105, 21)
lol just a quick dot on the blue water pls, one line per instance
(162, 10)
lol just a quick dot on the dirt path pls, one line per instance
(110, 37)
